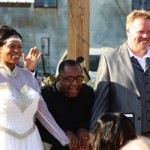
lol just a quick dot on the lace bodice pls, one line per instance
(20, 100)
(19, 107)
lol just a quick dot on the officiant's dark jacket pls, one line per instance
(70, 113)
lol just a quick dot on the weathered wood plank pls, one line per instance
(78, 30)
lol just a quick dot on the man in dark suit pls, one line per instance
(123, 79)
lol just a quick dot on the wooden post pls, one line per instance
(78, 30)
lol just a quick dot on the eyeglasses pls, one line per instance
(70, 79)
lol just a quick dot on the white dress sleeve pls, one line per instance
(46, 118)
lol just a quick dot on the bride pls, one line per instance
(21, 100)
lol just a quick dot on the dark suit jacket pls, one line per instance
(117, 89)
(70, 113)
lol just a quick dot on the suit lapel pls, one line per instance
(136, 63)
(125, 61)
(147, 64)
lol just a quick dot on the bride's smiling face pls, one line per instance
(11, 52)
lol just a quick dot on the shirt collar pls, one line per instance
(7, 70)
(145, 56)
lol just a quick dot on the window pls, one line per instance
(141, 4)
(45, 43)
(46, 3)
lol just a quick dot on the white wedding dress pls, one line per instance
(20, 101)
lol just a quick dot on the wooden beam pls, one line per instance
(78, 30)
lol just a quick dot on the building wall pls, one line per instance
(107, 27)
(107, 22)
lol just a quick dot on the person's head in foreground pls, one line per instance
(142, 143)
(112, 131)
